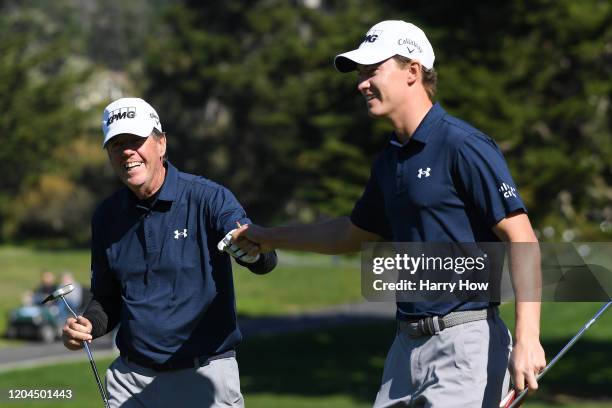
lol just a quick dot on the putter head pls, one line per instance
(58, 292)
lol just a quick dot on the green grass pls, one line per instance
(317, 369)
(21, 269)
(341, 367)
(585, 371)
(336, 368)
(300, 282)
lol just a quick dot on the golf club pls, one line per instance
(513, 400)
(59, 294)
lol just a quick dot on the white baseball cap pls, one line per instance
(129, 115)
(385, 40)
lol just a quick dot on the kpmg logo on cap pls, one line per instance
(371, 36)
(122, 113)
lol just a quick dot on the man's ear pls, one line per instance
(413, 72)
(162, 145)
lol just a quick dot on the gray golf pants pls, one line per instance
(462, 366)
(215, 384)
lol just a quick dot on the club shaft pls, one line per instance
(573, 340)
(96, 375)
(69, 308)
(91, 360)
(564, 350)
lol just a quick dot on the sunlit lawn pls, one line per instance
(338, 367)
(300, 282)
(341, 367)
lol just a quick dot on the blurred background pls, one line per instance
(248, 96)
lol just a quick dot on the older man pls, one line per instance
(156, 270)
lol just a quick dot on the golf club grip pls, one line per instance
(516, 402)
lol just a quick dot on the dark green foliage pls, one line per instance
(253, 90)
(40, 76)
(249, 97)
(543, 92)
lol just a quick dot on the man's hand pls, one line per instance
(75, 332)
(526, 362)
(250, 234)
(240, 248)
(335, 236)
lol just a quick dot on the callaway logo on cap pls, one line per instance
(385, 40)
(129, 115)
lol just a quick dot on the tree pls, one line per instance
(536, 77)
(39, 94)
(251, 87)
(250, 98)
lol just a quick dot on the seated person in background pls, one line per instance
(46, 287)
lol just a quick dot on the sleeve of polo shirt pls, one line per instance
(103, 283)
(104, 308)
(483, 175)
(225, 211)
(369, 211)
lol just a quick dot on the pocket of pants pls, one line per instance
(231, 381)
(473, 345)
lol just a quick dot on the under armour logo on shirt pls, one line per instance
(426, 172)
(178, 234)
(507, 191)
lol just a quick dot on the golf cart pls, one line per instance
(35, 323)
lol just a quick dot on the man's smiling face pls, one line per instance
(383, 86)
(138, 162)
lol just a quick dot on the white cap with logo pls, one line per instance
(129, 115)
(385, 40)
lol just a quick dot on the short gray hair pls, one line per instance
(157, 135)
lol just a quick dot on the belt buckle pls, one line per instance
(431, 325)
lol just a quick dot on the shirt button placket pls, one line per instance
(399, 177)
(149, 234)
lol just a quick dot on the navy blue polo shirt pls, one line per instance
(176, 289)
(448, 183)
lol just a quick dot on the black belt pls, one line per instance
(179, 364)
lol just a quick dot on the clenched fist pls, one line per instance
(75, 332)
